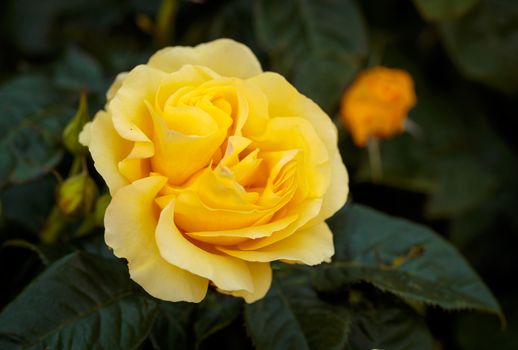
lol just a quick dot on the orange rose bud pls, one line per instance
(377, 103)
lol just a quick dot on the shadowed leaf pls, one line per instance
(80, 302)
(403, 258)
(292, 316)
(317, 45)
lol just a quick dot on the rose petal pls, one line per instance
(216, 55)
(117, 83)
(192, 215)
(232, 237)
(222, 203)
(128, 107)
(336, 194)
(310, 246)
(130, 223)
(285, 133)
(285, 101)
(262, 277)
(179, 156)
(107, 149)
(225, 272)
(305, 212)
(133, 169)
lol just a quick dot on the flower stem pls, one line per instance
(373, 148)
(165, 22)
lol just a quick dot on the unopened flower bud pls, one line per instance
(74, 127)
(377, 103)
(77, 194)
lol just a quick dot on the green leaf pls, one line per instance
(381, 324)
(19, 204)
(440, 10)
(235, 21)
(215, 313)
(480, 332)
(93, 244)
(77, 70)
(465, 182)
(317, 45)
(474, 41)
(37, 28)
(172, 326)
(405, 164)
(186, 326)
(30, 23)
(32, 116)
(34, 110)
(292, 316)
(80, 302)
(403, 258)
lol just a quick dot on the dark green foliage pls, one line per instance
(80, 302)
(171, 328)
(392, 284)
(32, 117)
(317, 46)
(403, 258)
(213, 314)
(486, 36)
(292, 316)
(383, 323)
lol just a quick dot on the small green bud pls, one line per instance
(74, 127)
(77, 195)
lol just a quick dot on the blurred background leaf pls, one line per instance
(318, 46)
(484, 44)
(31, 126)
(440, 10)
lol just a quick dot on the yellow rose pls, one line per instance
(377, 103)
(215, 169)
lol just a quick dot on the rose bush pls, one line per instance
(377, 103)
(215, 169)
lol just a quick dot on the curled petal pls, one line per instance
(225, 272)
(306, 211)
(232, 237)
(290, 134)
(190, 208)
(310, 246)
(179, 156)
(107, 149)
(130, 222)
(337, 193)
(128, 107)
(285, 101)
